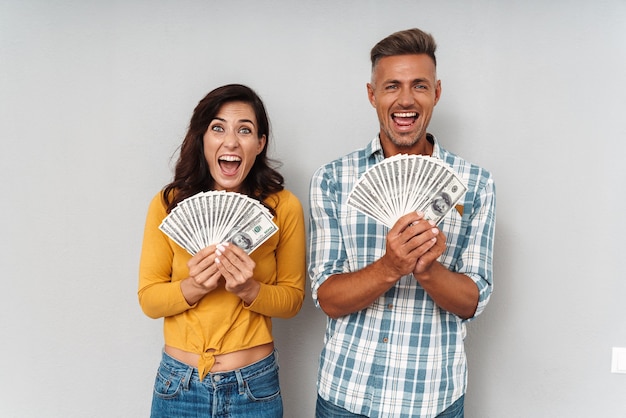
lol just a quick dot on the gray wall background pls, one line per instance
(95, 97)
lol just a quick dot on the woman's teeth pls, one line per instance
(229, 164)
(229, 158)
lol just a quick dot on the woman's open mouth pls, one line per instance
(229, 164)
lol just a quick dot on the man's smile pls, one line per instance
(404, 118)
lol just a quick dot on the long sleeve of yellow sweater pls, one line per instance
(220, 322)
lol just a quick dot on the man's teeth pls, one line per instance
(405, 115)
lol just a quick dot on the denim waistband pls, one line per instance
(222, 378)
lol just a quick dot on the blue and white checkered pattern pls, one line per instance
(403, 356)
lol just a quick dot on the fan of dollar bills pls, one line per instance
(405, 183)
(217, 216)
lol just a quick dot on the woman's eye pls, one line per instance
(245, 131)
(217, 128)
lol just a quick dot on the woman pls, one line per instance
(219, 358)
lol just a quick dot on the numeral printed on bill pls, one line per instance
(405, 183)
(217, 216)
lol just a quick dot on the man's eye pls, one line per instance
(391, 87)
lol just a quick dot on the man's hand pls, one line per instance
(425, 262)
(411, 238)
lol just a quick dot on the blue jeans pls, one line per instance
(252, 391)
(325, 409)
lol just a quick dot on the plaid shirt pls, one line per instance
(403, 356)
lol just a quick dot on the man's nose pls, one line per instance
(405, 97)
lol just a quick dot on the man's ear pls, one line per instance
(438, 91)
(370, 94)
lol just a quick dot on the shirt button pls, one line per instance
(390, 306)
(385, 340)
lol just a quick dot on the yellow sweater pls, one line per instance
(220, 323)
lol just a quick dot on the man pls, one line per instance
(398, 299)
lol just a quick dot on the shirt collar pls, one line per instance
(375, 150)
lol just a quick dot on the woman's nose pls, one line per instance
(231, 139)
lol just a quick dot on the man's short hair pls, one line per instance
(406, 42)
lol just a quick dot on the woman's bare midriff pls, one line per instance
(224, 362)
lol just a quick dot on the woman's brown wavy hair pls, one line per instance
(192, 173)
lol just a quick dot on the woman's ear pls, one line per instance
(262, 142)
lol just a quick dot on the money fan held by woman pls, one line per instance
(219, 358)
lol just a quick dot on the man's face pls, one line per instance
(404, 90)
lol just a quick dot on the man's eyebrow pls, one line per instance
(421, 80)
(414, 81)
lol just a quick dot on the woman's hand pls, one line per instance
(203, 277)
(237, 268)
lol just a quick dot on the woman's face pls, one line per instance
(231, 144)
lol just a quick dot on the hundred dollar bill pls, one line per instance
(404, 183)
(216, 216)
(254, 233)
(442, 201)
(178, 237)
